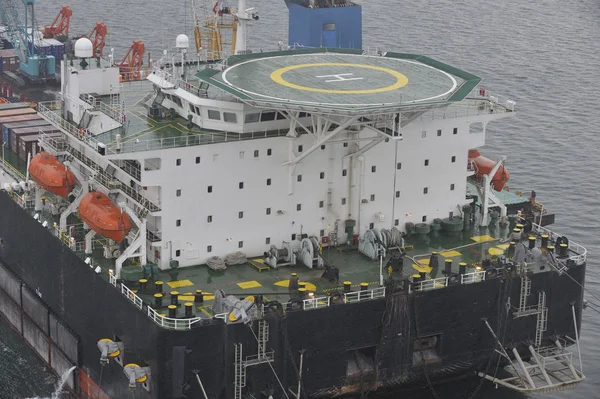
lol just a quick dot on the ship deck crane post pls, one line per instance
(130, 67)
(98, 36)
(60, 26)
(21, 34)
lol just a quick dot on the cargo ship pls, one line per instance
(314, 222)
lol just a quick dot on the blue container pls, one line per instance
(4, 135)
(0, 64)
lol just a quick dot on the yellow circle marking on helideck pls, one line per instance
(401, 80)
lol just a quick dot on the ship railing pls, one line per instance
(474, 277)
(58, 145)
(359, 296)
(579, 252)
(481, 94)
(47, 110)
(428, 285)
(374, 50)
(153, 236)
(198, 139)
(316, 303)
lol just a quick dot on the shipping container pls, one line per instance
(19, 134)
(13, 119)
(10, 60)
(6, 106)
(17, 125)
(18, 111)
(29, 145)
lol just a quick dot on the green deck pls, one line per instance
(341, 80)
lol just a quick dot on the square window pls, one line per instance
(240, 244)
(452, 187)
(268, 211)
(299, 207)
(210, 189)
(300, 148)
(322, 147)
(178, 222)
(178, 162)
(322, 175)
(344, 172)
(268, 240)
(399, 165)
(255, 153)
(455, 130)
(293, 237)
(178, 192)
(320, 204)
(396, 222)
(371, 226)
(269, 152)
(425, 190)
(345, 144)
(240, 214)
(453, 158)
(372, 197)
(268, 182)
(397, 194)
(197, 159)
(241, 185)
(439, 132)
(424, 219)
(178, 252)
(321, 233)
(343, 201)
(427, 162)
(423, 134)
(229, 117)
(209, 218)
(214, 115)
(373, 169)
(209, 248)
(299, 177)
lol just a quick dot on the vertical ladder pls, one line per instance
(263, 338)
(525, 292)
(240, 372)
(542, 318)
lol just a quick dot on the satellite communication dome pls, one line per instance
(182, 41)
(84, 48)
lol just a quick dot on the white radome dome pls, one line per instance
(84, 48)
(182, 41)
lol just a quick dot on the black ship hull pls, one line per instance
(62, 308)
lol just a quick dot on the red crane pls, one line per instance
(60, 25)
(131, 65)
(97, 36)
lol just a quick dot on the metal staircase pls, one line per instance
(240, 372)
(542, 318)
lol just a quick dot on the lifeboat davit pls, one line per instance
(104, 217)
(484, 166)
(51, 174)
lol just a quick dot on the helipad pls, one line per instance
(341, 80)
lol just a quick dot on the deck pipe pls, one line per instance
(511, 249)
(448, 266)
(158, 286)
(422, 276)
(188, 310)
(563, 250)
(143, 283)
(550, 248)
(199, 297)
(174, 298)
(172, 311)
(545, 238)
(347, 286)
(532, 241)
(462, 268)
(158, 300)
(364, 286)
(302, 292)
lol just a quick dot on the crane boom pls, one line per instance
(60, 25)
(97, 36)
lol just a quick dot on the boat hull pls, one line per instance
(104, 217)
(71, 308)
(51, 175)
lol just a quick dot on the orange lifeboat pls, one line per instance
(484, 166)
(104, 217)
(51, 175)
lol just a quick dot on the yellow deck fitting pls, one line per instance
(186, 298)
(495, 251)
(286, 283)
(482, 238)
(249, 284)
(450, 254)
(422, 266)
(179, 283)
(503, 246)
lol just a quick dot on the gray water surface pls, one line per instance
(545, 55)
